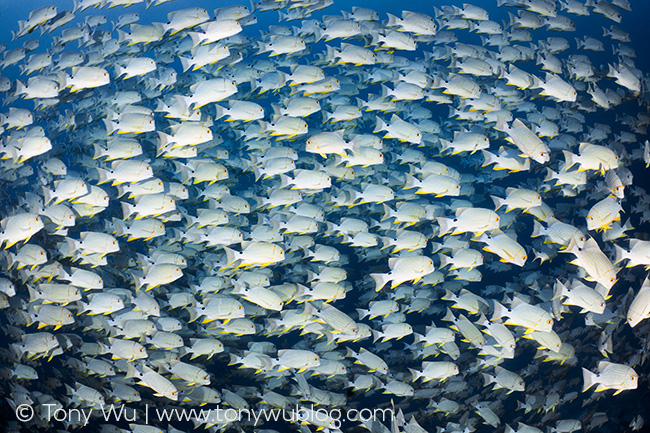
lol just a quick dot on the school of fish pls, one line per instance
(437, 213)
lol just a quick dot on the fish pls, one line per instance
(402, 270)
(531, 317)
(639, 308)
(508, 249)
(440, 370)
(477, 220)
(530, 145)
(505, 379)
(288, 204)
(158, 383)
(610, 376)
(591, 258)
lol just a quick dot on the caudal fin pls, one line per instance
(416, 374)
(589, 378)
(411, 182)
(110, 126)
(231, 256)
(621, 254)
(446, 224)
(499, 311)
(538, 229)
(498, 202)
(570, 158)
(127, 210)
(381, 126)
(380, 280)
(444, 260)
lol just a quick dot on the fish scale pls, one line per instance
(263, 168)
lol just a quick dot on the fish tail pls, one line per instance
(415, 374)
(538, 229)
(380, 280)
(570, 158)
(589, 379)
(446, 224)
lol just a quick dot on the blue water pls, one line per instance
(620, 409)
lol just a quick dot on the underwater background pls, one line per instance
(600, 412)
